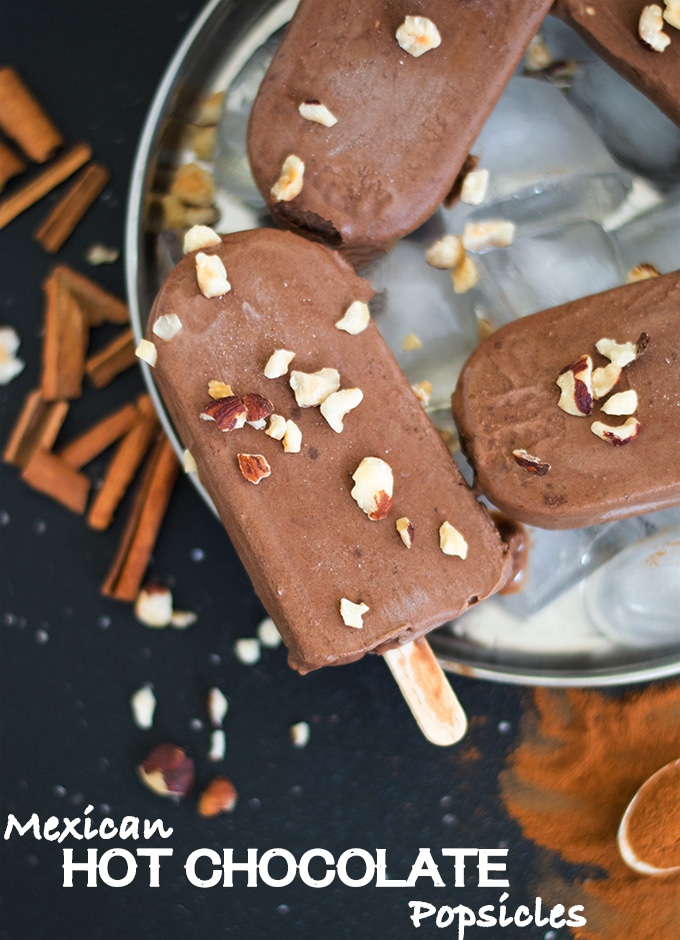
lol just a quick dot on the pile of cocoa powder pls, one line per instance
(581, 758)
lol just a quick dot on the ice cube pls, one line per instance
(546, 267)
(634, 599)
(539, 150)
(635, 131)
(416, 308)
(652, 238)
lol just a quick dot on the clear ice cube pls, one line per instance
(539, 150)
(652, 238)
(634, 599)
(416, 302)
(635, 131)
(546, 267)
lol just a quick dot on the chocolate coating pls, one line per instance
(611, 28)
(506, 399)
(300, 535)
(404, 125)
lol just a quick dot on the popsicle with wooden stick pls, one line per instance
(339, 495)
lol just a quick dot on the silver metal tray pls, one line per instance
(213, 51)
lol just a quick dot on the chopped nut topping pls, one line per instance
(218, 745)
(405, 530)
(672, 13)
(168, 771)
(200, 236)
(338, 404)
(575, 384)
(622, 434)
(290, 181)
(352, 614)
(153, 605)
(446, 253)
(278, 362)
(417, 35)
(317, 112)
(618, 353)
(211, 275)
(10, 365)
(478, 236)
(411, 342)
(474, 187)
(258, 408)
(355, 319)
(188, 462)
(268, 634)
(181, 619)
(373, 488)
(531, 463)
(254, 467)
(218, 389)
(650, 28)
(622, 403)
(538, 56)
(167, 326)
(277, 427)
(219, 796)
(193, 186)
(465, 276)
(247, 650)
(451, 541)
(143, 704)
(642, 272)
(312, 388)
(423, 392)
(229, 414)
(604, 379)
(218, 706)
(292, 438)
(147, 352)
(299, 734)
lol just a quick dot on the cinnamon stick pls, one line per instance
(65, 215)
(64, 342)
(126, 574)
(114, 358)
(124, 465)
(49, 474)
(11, 164)
(24, 119)
(37, 426)
(100, 436)
(99, 304)
(53, 174)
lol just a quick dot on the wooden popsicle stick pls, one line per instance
(427, 692)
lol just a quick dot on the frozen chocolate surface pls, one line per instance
(303, 539)
(506, 399)
(405, 124)
(611, 28)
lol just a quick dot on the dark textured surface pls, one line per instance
(71, 659)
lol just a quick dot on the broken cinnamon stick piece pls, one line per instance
(53, 174)
(100, 436)
(64, 343)
(11, 164)
(67, 213)
(127, 572)
(114, 358)
(127, 459)
(37, 426)
(24, 119)
(49, 474)
(99, 305)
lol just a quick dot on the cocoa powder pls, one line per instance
(581, 758)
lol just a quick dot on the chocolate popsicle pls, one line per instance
(615, 451)
(383, 133)
(303, 532)
(611, 27)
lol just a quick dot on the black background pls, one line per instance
(71, 658)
